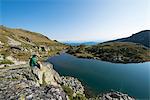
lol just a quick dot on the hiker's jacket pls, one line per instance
(33, 62)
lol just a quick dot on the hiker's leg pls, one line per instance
(40, 75)
(35, 73)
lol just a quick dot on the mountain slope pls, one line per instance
(24, 35)
(20, 44)
(133, 49)
(142, 37)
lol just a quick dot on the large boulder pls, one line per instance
(50, 76)
(15, 61)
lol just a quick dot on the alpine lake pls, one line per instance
(100, 76)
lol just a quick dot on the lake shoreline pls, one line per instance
(67, 60)
(96, 58)
(115, 52)
(111, 61)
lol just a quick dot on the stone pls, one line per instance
(1, 43)
(74, 84)
(50, 76)
(15, 61)
(13, 42)
(1, 57)
(114, 95)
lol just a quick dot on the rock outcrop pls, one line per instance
(19, 83)
(15, 61)
(74, 84)
(21, 44)
(114, 95)
(50, 76)
(13, 42)
(9, 61)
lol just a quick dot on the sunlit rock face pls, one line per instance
(50, 76)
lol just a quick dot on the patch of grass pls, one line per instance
(23, 56)
(8, 79)
(79, 97)
(5, 53)
(68, 91)
(5, 61)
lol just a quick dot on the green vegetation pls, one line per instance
(68, 91)
(22, 56)
(79, 97)
(5, 53)
(5, 61)
(21, 44)
(118, 52)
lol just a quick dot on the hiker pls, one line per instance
(36, 68)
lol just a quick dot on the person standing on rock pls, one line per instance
(36, 68)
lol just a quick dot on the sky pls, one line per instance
(77, 20)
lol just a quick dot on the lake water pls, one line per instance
(101, 76)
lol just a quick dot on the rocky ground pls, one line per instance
(18, 83)
(114, 95)
(74, 84)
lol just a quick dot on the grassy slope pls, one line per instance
(18, 33)
(28, 41)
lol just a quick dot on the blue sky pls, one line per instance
(77, 20)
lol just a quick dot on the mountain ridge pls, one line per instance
(133, 49)
(142, 37)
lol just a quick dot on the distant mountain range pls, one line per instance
(81, 43)
(142, 37)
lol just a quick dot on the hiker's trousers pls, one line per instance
(38, 74)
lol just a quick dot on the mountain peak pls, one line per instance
(142, 37)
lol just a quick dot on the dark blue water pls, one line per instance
(101, 76)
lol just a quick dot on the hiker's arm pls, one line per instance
(40, 65)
